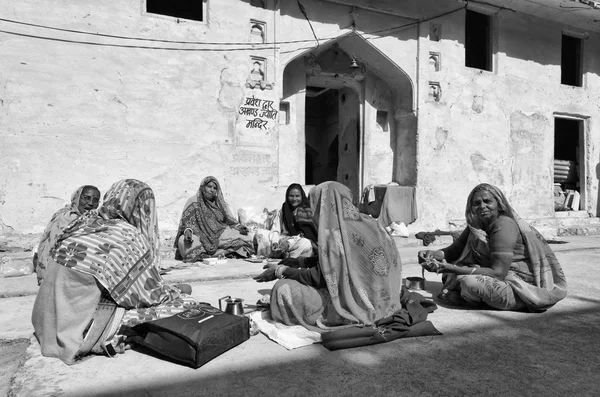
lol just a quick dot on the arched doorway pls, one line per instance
(351, 123)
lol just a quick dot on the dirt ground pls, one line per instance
(481, 353)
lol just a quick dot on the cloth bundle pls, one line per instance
(407, 322)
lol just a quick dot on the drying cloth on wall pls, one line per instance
(399, 205)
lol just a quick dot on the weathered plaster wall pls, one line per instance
(73, 114)
(498, 127)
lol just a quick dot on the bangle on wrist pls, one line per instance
(473, 271)
(279, 271)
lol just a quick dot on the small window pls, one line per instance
(571, 72)
(478, 40)
(184, 9)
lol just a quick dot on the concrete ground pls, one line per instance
(481, 352)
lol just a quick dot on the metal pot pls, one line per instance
(417, 283)
(233, 306)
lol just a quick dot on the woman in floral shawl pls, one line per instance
(84, 199)
(499, 260)
(354, 280)
(208, 228)
(104, 264)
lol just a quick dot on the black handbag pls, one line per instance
(193, 337)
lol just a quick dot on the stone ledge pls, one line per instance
(571, 214)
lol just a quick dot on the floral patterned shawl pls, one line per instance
(119, 247)
(206, 218)
(359, 260)
(549, 282)
(60, 220)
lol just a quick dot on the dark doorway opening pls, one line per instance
(568, 160)
(321, 134)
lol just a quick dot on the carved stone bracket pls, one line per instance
(435, 91)
(263, 85)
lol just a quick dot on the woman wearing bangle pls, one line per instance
(498, 260)
(354, 280)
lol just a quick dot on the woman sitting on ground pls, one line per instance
(208, 228)
(104, 274)
(293, 233)
(354, 280)
(84, 199)
(498, 260)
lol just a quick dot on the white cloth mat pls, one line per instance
(288, 336)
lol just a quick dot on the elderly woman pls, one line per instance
(104, 273)
(84, 199)
(354, 280)
(208, 227)
(293, 233)
(499, 260)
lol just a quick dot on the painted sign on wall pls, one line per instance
(260, 109)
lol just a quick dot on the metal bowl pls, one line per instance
(417, 283)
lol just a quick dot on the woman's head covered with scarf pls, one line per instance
(358, 259)
(85, 198)
(504, 207)
(298, 218)
(133, 201)
(214, 198)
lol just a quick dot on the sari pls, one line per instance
(60, 220)
(106, 260)
(213, 228)
(359, 262)
(535, 279)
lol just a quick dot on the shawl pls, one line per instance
(207, 219)
(298, 220)
(60, 220)
(549, 282)
(119, 246)
(358, 259)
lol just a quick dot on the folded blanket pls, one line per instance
(407, 322)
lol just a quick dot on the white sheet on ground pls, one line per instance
(288, 336)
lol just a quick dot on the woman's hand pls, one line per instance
(428, 255)
(268, 274)
(445, 267)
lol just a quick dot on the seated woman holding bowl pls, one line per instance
(499, 260)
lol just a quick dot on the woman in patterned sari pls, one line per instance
(105, 273)
(84, 199)
(499, 260)
(208, 228)
(354, 280)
